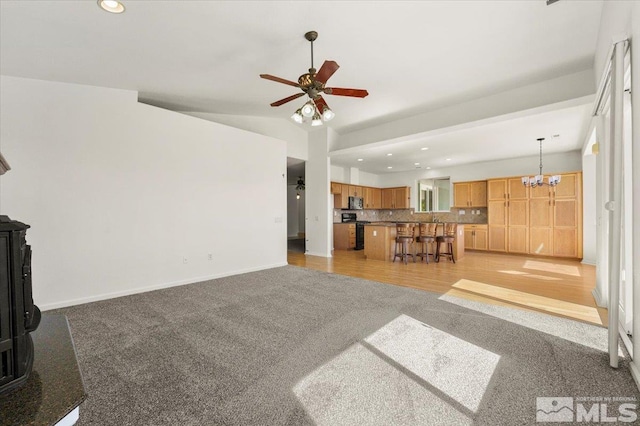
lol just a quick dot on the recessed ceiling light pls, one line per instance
(448, 159)
(111, 6)
(360, 159)
(416, 164)
(424, 149)
(389, 167)
(389, 154)
(428, 168)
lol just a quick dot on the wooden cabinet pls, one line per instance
(497, 214)
(356, 191)
(508, 215)
(336, 188)
(475, 237)
(372, 198)
(567, 217)
(517, 216)
(556, 219)
(470, 194)
(344, 236)
(542, 220)
(396, 198)
(341, 199)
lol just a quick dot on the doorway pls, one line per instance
(296, 205)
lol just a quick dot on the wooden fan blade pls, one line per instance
(321, 104)
(279, 80)
(326, 71)
(285, 100)
(356, 93)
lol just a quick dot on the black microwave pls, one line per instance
(355, 203)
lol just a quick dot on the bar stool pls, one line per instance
(404, 237)
(426, 237)
(448, 237)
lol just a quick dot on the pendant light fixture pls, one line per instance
(538, 180)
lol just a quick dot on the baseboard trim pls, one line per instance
(598, 297)
(113, 295)
(635, 373)
(310, 253)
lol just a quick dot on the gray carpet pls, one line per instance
(291, 346)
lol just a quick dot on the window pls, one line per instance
(434, 195)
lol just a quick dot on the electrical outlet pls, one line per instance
(375, 233)
(210, 256)
(185, 260)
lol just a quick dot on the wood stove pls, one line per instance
(18, 314)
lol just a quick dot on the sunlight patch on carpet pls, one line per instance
(458, 368)
(357, 387)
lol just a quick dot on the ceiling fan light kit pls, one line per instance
(313, 85)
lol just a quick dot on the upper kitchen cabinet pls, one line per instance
(470, 194)
(372, 198)
(396, 198)
(336, 188)
(356, 191)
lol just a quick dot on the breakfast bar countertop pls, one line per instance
(379, 239)
(54, 387)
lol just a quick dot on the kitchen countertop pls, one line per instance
(394, 223)
(54, 387)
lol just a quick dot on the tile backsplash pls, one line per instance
(458, 215)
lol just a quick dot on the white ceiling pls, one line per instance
(505, 139)
(412, 57)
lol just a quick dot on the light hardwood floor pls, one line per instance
(554, 286)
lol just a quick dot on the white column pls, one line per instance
(319, 224)
(601, 292)
(635, 89)
(614, 204)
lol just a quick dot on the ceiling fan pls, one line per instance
(313, 85)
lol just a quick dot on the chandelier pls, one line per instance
(538, 180)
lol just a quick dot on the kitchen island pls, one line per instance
(379, 240)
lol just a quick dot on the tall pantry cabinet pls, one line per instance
(543, 220)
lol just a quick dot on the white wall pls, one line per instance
(118, 192)
(344, 175)
(589, 210)
(295, 135)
